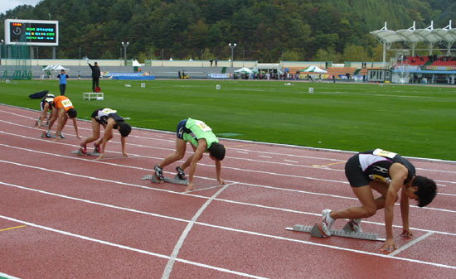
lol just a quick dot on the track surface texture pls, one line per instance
(69, 216)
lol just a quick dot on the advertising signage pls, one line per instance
(32, 32)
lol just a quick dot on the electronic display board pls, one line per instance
(32, 32)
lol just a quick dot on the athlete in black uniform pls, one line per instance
(109, 119)
(45, 105)
(385, 172)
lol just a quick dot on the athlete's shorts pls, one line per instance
(42, 103)
(104, 119)
(354, 173)
(181, 129)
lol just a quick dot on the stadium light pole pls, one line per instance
(125, 45)
(1, 48)
(232, 46)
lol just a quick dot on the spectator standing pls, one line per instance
(62, 81)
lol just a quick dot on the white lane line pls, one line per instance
(248, 151)
(198, 196)
(410, 244)
(231, 157)
(169, 191)
(188, 228)
(151, 157)
(124, 247)
(236, 230)
(290, 161)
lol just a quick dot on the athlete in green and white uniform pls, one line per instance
(202, 139)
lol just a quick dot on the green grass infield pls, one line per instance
(416, 121)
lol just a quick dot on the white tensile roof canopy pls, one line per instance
(413, 36)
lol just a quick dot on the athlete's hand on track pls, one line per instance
(389, 246)
(190, 187)
(125, 154)
(101, 156)
(221, 182)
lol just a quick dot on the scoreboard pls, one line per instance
(32, 32)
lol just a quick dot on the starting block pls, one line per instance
(345, 232)
(174, 180)
(96, 154)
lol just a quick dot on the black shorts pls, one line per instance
(354, 173)
(104, 119)
(181, 129)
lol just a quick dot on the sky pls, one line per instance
(6, 5)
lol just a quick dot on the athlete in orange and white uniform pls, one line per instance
(61, 111)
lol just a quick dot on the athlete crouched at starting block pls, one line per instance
(45, 106)
(62, 109)
(202, 139)
(110, 121)
(387, 173)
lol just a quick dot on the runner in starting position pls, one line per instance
(387, 173)
(62, 109)
(45, 106)
(202, 140)
(109, 119)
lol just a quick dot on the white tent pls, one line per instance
(244, 70)
(313, 69)
(136, 63)
(54, 68)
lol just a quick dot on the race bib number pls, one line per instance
(380, 178)
(203, 126)
(384, 153)
(66, 103)
(108, 111)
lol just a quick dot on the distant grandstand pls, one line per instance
(420, 69)
(430, 36)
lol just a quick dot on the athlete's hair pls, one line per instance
(72, 113)
(217, 151)
(427, 190)
(124, 129)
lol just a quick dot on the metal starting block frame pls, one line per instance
(88, 153)
(174, 180)
(345, 232)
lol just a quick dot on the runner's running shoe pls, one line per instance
(355, 225)
(48, 135)
(62, 136)
(180, 173)
(159, 173)
(326, 223)
(97, 149)
(83, 150)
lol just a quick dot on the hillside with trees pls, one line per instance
(264, 30)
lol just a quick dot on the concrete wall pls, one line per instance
(159, 68)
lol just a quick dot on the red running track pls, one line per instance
(65, 216)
